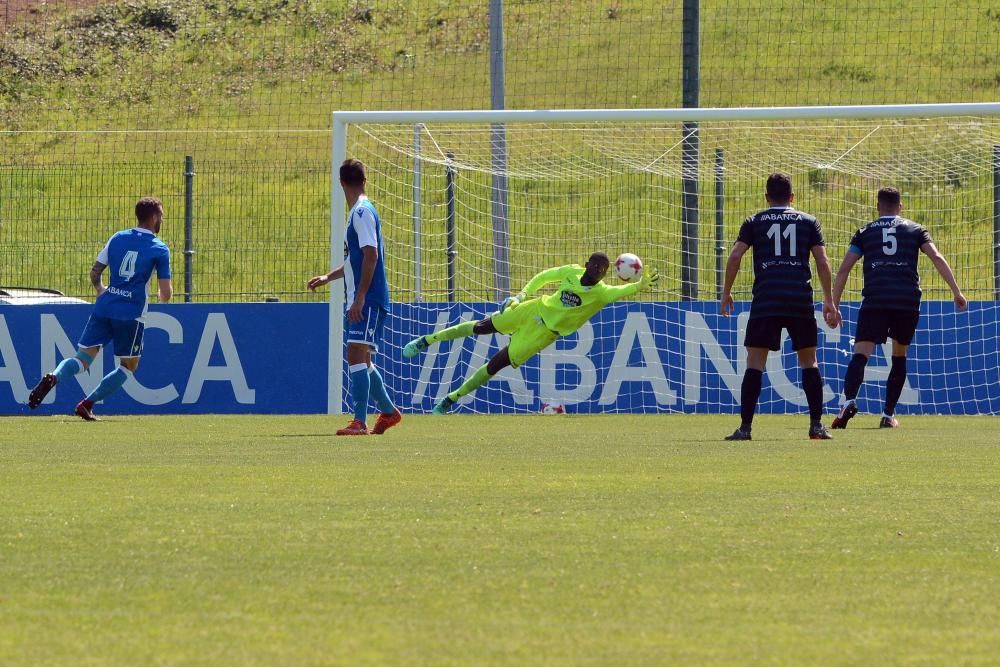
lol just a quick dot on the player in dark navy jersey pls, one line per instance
(782, 240)
(890, 305)
(131, 257)
(367, 299)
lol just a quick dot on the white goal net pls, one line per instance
(473, 204)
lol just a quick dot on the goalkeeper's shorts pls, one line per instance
(528, 333)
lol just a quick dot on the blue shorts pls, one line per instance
(368, 330)
(126, 335)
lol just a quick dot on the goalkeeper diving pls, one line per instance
(534, 324)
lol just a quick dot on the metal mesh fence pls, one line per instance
(618, 187)
(100, 102)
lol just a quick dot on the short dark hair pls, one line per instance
(779, 186)
(889, 196)
(352, 172)
(146, 208)
(599, 257)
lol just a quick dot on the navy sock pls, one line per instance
(812, 384)
(749, 394)
(855, 376)
(894, 387)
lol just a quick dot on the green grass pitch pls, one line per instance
(603, 540)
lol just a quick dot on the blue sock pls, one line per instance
(378, 392)
(67, 368)
(360, 387)
(111, 383)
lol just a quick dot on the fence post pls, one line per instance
(449, 174)
(417, 213)
(498, 136)
(188, 226)
(690, 68)
(690, 55)
(720, 202)
(996, 222)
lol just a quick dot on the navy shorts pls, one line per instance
(766, 332)
(876, 324)
(125, 334)
(368, 330)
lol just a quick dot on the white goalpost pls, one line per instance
(617, 180)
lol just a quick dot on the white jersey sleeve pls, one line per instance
(102, 256)
(364, 225)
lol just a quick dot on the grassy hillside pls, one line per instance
(100, 105)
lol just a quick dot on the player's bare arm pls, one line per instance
(116, 318)
(942, 266)
(367, 271)
(319, 281)
(732, 268)
(95, 277)
(165, 289)
(830, 311)
(840, 282)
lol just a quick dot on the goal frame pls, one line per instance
(343, 119)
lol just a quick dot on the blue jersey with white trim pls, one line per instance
(364, 228)
(891, 247)
(131, 256)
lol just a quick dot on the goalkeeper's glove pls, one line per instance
(648, 279)
(512, 301)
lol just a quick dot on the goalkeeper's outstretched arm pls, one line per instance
(617, 292)
(544, 278)
(541, 279)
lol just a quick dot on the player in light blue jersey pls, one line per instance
(367, 292)
(117, 318)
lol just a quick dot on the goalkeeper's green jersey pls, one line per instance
(572, 304)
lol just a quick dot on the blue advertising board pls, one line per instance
(631, 357)
(686, 357)
(214, 358)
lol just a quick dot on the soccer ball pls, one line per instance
(628, 266)
(553, 409)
